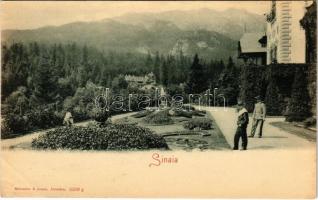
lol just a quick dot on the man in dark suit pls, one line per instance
(242, 122)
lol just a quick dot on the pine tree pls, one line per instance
(228, 83)
(15, 69)
(164, 73)
(156, 67)
(148, 62)
(196, 82)
(85, 55)
(44, 86)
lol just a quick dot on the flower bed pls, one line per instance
(111, 137)
(142, 113)
(159, 118)
(201, 123)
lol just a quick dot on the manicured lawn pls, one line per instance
(179, 138)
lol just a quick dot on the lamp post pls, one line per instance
(214, 95)
(222, 96)
(208, 97)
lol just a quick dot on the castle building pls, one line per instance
(285, 36)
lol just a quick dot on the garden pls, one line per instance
(161, 129)
(182, 129)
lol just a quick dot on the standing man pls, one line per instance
(259, 115)
(68, 119)
(242, 122)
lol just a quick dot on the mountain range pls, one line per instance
(210, 33)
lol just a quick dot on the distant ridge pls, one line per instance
(212, 34)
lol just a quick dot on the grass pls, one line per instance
(299, 131)
(180, 138)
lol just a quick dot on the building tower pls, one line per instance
(285, 36)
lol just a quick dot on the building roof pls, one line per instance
(249, 43)
(131, 78)
(147, 78)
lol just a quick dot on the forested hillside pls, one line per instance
(54, 69)
(40, 82)
(114, 36)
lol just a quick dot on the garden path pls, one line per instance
(273, 137)
(280, 173)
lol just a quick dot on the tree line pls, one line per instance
(36, 75)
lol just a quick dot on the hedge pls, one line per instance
(272, 82)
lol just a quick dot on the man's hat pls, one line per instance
(258, 97)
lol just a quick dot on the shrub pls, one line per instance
(112, 137)
(79, 113)
(298, 108)
(43, 118)
(202, 123)
(311, 121)
(200, 113)
(15, 124)
(180, 113)
(187, 107)
(100, 115)
(142, 113)
(6, 131)
(159, 117)
(252, 84)
(272, 82)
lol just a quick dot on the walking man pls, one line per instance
(242, 122)
(259, 115)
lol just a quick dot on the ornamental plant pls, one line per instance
(112, 137)
(159, 118)
(201, 123)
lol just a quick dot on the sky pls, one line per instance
(35, 14)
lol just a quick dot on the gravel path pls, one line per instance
(273, 137)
